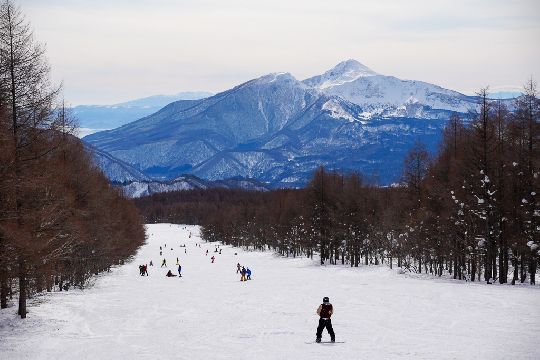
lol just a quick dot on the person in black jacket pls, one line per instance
(325, 312)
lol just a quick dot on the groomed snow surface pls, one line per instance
(210, 314)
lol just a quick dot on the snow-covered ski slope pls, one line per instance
(210, 314)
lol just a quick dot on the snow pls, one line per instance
(210, 314)
(336, 111)
(344, 72)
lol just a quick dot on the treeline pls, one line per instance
(60, 220)
(471, 212)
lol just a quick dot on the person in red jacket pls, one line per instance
(325, 312)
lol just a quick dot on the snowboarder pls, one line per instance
(164, 263)
(243, 273)
(238, 268)
(325, 312)
(170, 274)
(179, 270)
(248, 272)
(213, 258)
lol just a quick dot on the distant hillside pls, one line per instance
(93, 118)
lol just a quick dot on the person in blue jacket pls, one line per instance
(248, 272)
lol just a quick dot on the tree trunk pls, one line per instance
(515, 265)
(3, 287)
(473, 268)
(532, 269)
(22, 289)
(503, 272)
(522, 270)
(494, 263)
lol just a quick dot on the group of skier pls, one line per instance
(143, 269)
(171, 274)
(245, 273)
(325, 310)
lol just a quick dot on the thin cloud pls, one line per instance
(111, 51)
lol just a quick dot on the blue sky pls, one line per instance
(107, 51)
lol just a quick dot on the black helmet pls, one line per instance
(326, 299)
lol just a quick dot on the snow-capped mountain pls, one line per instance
(278, 129)
(344, 72)
(388, 96)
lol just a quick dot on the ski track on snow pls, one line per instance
(210, 314)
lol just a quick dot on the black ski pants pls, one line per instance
(325, 323)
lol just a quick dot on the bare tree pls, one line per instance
(27, 97)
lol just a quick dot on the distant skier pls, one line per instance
(248, 272)
(206, 252)
(170, 274)
(145, 270)
(213, 258)
(164, 263)
(185, 251)
(243, 273)
(177, 261)
(179, 270)
(141, 270)
(219, 251)
(151, 263)
(238, 268)
(325, 312)
(160, 248)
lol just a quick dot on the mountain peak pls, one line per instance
(352, 66)
(277, 76)
(345, 71)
